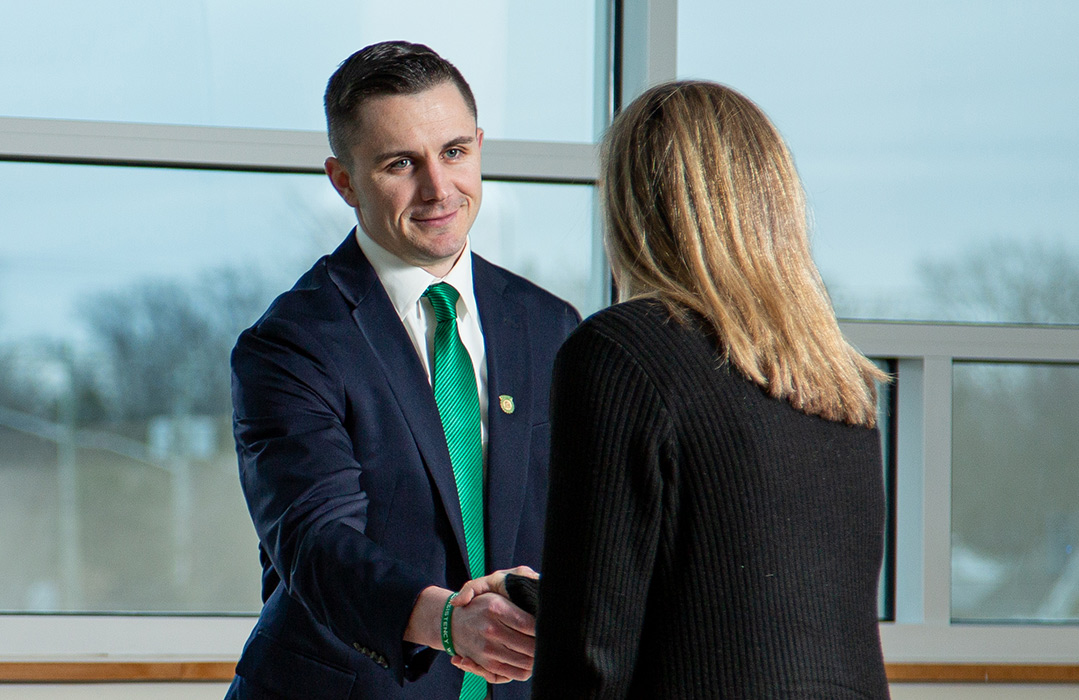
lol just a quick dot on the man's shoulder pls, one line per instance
(522, 289)
(311, 300)
(328, 289)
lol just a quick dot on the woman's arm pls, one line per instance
(609, 431)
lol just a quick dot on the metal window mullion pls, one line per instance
(71, 141)
(992, 343)
(266, 150)
(649, 44)
(937, 490)
(923, 491)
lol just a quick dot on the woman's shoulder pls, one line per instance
(623, 328)
(644, 331)
(637, 319)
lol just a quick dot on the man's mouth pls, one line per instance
(436, 219)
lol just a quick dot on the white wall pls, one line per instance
(114, 691)
(972, 691)
(216, 691)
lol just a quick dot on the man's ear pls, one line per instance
(341, 180)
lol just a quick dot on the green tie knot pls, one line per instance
(443, 298)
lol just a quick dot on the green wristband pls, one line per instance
(447, 635)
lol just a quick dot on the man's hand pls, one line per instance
(491, 583)
(493, 638)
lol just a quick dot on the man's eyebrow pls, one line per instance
(459, 141)
(396, 155)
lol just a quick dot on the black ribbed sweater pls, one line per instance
(703, 539)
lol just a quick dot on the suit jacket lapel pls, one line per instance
(506, 340)
(391, 345)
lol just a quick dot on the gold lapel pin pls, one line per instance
(505, 402)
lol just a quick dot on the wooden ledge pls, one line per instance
(115, 671)
(983, 673)
(222, 672)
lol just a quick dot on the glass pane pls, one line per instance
(545, 233)
(886, 422)
(257, 64)
(1015, 496)
(936, 139)
(119, 304)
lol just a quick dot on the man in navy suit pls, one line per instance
(343, 458)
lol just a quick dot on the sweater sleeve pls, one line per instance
(610, 437)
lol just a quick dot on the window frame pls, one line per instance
(923, 630)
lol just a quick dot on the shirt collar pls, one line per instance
(405, 283)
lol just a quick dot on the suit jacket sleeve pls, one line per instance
(303, 488)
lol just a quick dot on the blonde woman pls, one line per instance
(716, 507)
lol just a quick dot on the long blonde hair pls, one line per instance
(705, 212)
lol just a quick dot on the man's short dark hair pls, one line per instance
(387, 68)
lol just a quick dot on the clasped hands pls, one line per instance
(493, 638)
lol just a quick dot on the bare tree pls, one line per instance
(164, 345)
(1005, 281)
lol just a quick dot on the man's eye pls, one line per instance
(401, 164)
(454, 153)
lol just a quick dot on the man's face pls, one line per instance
(415, 175)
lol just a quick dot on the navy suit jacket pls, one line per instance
(344, 466)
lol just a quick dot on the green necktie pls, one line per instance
(459, 408)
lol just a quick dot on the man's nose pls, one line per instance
(435, 185)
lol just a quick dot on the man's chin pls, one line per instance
(438, 256)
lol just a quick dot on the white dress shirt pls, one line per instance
(405, 285)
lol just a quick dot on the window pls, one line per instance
(951, 391)
(545, 232)
(1015, 498)
(935, 139)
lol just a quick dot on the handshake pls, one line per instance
(489, 626)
